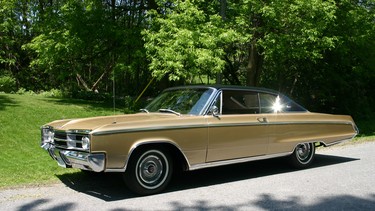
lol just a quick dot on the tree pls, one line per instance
(83, 44)
(319, 51)
(15, 30)
(76, 38)
(282, 36)
(347, 72)
(252, 36)
(185, 42)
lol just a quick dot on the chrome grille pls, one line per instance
(60, 139)
(69, 139)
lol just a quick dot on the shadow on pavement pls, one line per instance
(110, 186)
(269, 202)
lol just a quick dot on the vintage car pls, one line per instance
(194, 127)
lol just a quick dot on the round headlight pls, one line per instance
(85, 143)
(47, 135)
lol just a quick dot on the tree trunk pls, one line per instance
(106, 72)
(83, 82)
(254, 65)
(223, 8)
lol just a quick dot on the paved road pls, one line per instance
(342, 178)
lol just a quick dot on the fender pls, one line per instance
(144, 142)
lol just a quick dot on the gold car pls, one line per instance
(194, 127)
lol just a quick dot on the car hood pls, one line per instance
(129, 121)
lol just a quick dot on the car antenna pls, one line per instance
(114, 98)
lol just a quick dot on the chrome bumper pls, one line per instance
(75, 159)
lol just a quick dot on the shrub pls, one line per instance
(23, 91)
(52, 93)
(7, 84)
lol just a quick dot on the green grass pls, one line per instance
(22, 161)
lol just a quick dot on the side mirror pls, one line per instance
(215, 111)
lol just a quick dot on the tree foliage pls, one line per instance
(319, 51)
(15, 30)
(84, 42)
(185, 42)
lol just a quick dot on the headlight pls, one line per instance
(47, 135)
(85, 142)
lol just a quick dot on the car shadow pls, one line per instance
(110, 186)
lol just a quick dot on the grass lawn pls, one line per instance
(22, 161)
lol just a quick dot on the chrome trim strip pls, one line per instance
(207, 106)
(100, 133)
(236, 124)
(337, 142)
(277, 123)
(79, 132)
(311, 122)
(211, 101)
(356, 129)
(121, 170)
(234, 161)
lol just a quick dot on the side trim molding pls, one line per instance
(177, 127)
(234, 161)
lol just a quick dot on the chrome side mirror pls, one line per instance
(215, 111)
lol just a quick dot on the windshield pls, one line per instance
(183, 101)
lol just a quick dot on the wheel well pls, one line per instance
(315, 143)
(319, 144)
(177, 156)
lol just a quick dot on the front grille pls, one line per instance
(60, 139)
(69, 140)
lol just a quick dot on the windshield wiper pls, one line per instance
(144, 110)
(169, 111)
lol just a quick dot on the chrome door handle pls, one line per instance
(262, 119)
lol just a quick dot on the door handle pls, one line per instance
(262, 119)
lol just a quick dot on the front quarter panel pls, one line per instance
(187, 133)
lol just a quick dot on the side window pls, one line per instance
(240, 102)
(291, 106)
(268, 103)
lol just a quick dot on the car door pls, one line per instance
(240, 129)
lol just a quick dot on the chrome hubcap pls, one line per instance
(152, 169)
(303, 151)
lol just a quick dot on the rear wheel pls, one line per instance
(303, 155)
(149, 171)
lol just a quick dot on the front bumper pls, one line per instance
(76, 159)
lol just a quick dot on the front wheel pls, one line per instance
(149, 171)
(303, 155)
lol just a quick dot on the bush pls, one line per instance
(52, 93)
(7, 84)
(23, 91)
